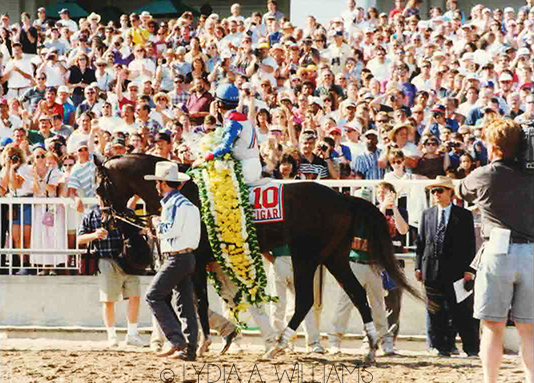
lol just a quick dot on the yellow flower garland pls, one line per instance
(228, 218)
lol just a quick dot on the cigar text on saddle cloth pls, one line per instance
(267, 202)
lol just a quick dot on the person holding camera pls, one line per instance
(502, 191)
(316, 162)
(16, 178)
(53, 68)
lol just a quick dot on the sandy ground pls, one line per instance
(42, 360)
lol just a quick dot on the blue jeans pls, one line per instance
(175, 276)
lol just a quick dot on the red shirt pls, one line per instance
(125, 101)
(197, 104)
(51, 110)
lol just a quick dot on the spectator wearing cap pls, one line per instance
(399, 138)
(506, 80)
(81, 178)
(103, 76)
(91, 103)
(43, 131)
(66, 21)
(341, 153)
(40, 22)
(58, 128)
(8, 122)
(117, 147)
(18, 72)
(337, 52)
(367, 162)
(55, 43)
(310, 55)
(81, 75)
(48, 106)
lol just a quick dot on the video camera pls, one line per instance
(526, 151)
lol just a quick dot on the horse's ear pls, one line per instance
(98, 160)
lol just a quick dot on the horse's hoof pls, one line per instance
(273, 352)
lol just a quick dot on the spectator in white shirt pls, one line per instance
(18, 73)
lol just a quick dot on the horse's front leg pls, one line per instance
(303, 273)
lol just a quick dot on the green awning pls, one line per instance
(75, 11)
(166, 7)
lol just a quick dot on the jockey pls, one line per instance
(239, 134)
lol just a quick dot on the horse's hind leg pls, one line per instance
(303, 272)
(338, 265)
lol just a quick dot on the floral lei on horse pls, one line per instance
(228, 218)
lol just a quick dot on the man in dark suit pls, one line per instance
(445, 249)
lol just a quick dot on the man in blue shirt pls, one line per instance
(179, 233)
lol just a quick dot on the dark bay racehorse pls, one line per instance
(319, 228)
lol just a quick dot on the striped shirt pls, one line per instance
(367, 163)
(179, 227)
(317, 169)
(82, 179)
(179, 98)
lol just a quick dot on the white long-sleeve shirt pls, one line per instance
(179, 226)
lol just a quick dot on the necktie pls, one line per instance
(440, 235)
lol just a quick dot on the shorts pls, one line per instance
(26, 214)
(113, 282)
(504, 281)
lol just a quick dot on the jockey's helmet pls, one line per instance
(228, 94)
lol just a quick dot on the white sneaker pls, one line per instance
(335, 349)
(113, 341)
(135, 340)
(388, 347)
(316, 348)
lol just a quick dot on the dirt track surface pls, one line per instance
(93, 362)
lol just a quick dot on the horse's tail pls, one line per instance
(369, 223)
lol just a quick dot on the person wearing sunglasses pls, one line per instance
(432, 162)
(445, 249)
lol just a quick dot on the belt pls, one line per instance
(361, 262)
(515, 240)
(520, 240)
(184, 251)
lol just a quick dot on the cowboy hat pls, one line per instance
(396, 128)
(167, 171)
(94, 16)
(441, 182)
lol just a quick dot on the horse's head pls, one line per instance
(103, 186)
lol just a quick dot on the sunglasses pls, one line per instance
(437, 190)
(382, 121)
(431, 144)
(81, 150)
(162, 99)
(68, 165)
(398, 162)
(41, 156)
(101, 65)
(41, 78)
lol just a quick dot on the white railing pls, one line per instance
(55, 247)
(33, 243)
